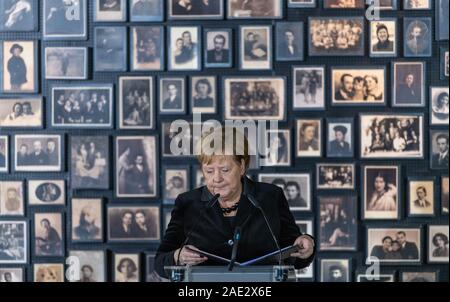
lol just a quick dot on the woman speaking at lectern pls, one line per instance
(201, 221)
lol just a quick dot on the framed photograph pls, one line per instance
(421, 197)
(398, 135)
(335, 270)
(439, 105)
(255, 47)
(408, 84)
(20, 67)
(198, 177)
(89, 162)
(87, 220)
(255, 98)
(126, 267)
(338, 227)
(12, 275)
(176, 182)
(150, 273)
(82, 106)
(375, 278)
(394, 246)
(305, 274)
(218, 48)
(38, 153)
(336, 176)
(444, 63)
(172, 95)
(110, 51)
(423, 276)
(438, 243)
(255, 9)
(148, 48)
(136, 103)
(187, 9)
(308, 88)
(343, 4)
(21, 113)
(110, 10)
(381, 192)
(444, 195)
(289, 41)
(383, 38)
(48, 272)
(416, 4)
(305, 226)
(147, 10)
(48, 234)
(336, 36)
(340, 140)
(19, 16)
(47, 192)
(66, 63)
(172, 139)
(65, 21)
(441, 19)
(277, 149)
(296, 188)
(12, 198)
(387, 4)
(167, 216)
(439, 147)
(309, 138)
(92, 265)
(417, 37)
(136, 170)
(16, 233)
(4, 154)
(301, 3)
(184, 48)
(204, 94)
(359, 85)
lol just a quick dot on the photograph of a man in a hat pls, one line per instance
(17, 68)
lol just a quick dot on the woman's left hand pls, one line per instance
(306, 247)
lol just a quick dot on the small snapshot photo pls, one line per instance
(439, 105)
(87, 220)
(110, 51)
(4, 154)
(301, 3)
(419, 276)
(191, 9)
(289, 41)
(438, 243)
(184, 48)
(15, 233)
(92, 266)
(65, 20)
(255, 47)
(38, 153)
(11, 275)
(18, 15)
(176, 181)
(421, 197)
(383, 38)
(136, 103)
(309, 87)
(218, 48)
(335, 270)
(340, 137)
(278, 148)
(204, 94)
(309, 138)
(255, 9)
(439, 145)
(12, 198)
(336, 176)
(444, 195)
(46, 192)
(147, 51)
(416, 4)
(110, 10)
(48, 235)
(21, 113)
(48, 272)
(172, 95)
(147, 10)
(66, 63)
(344, 4)
(417, 37)
(126, 267)
(442, 15)
(408, 84)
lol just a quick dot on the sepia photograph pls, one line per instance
(92, 266)
(110, 10)
(301, 3)
(21, 113)
(444, 195)
(176, 182)
(111, 48)
(14, 242)
(308, 88)
(383, 38)
(335, 176)
(195, 9)
(48, 235)
(340, 140)
(19, 15)
(439, 149)
(344, 4)
(423, 276)
(12, 275)
(408, 84)
(66, 63)
(309, 138)
(218, 48)
(147, 10)
(439, 105)
(255, 47)
(126, 267)
(147, 48)
(441, 20)
(12, 199)
(38, 153)
(438, 243)
(48, 272)
(421, 197)
(204, 94)
(184, 48)
(277, 144)
(87, 220)
(136, 103)
(65, 20)
(416, 4)
(289, 41)
(4, 154)
(46, 192)
(255, 9)
(335, 270)
(417, 37)
(172, 95)
(387, 4)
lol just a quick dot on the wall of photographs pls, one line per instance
(88, 89)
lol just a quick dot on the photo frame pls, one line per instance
(48, 272)
(239, 9)
(209, 10)
(172, 95)
(444, 64)
(302, 3)
(309, 137)
(12, 199)
(439, 105)
(308, 87)
(46, 192)
(289, 41)
(444, 195)
(148, 48)
(92, 265)
(421, 197)
(184, 48)
(255, 51)
(46, 155)
(15, 18)
(417, 37)
(441, 20)
(305, 226)
(110, 51)
(417, 5)
(419, 276)
(136, 102)
(338, 4)
(438, 243)
(150, 273)
(439, 146)
(66, 63)
(203, 97)
(4, 154)
(21, 113)
(409, 80)
(57, 25)
(144, 11)
(331, 176)
(12, 274)
(335, 270)
(49, 234)
(130, 262)
(383, 38)
(17, 231)
(382, 277)
(218, 45)
(176, 181)
(87, 221)
(110, 10)
(279, 151)
(340, 137)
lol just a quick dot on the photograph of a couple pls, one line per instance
(394, 245)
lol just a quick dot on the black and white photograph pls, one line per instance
(66, 63)
(444, 64)
(444, 195)
(4, 154)
(391, 135)
(184, 48)
(126, 267)
(110, 10)
(18, 15)
(375, 278)
(48, 235)
(150, 273)
(172, 95)
(167, 216)
(11, 275)
(309, 138)
(14, 242)
(89, 162)
(394, 245)
(92, 266)
(195, 9)
(277, 144)
(38, 153)
(336, 36)
(438, 243)
(408, 84)
(340, 140)
(174, 134)
(381, 192)
(336, 176)
(383, 38)
(204, 94)
(255, 47)
(308, 88)
(46, 192)
(439, 149)
(21, 113)
(136, 171)
(305, 226)
(48, 272)
(65, 20)
(441, 20)
(423, 276)
(296, 188)
(133, 223)
(421, 197)
(255, 98)
(87, 220)
(338, 228)
(110, 50)
(12, 199)
(439, 106)
(301, 3)
(218, 48)
(289, 41)
(176, 182)
(417, 37)
(305, 273)
(416, 4)
(147, 10)
(136, 102)
(359, 85)
(255, 9)
(343, 4)
(148, 48)
(335, 270)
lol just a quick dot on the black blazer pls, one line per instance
(213, 232)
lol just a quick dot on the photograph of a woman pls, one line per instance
(380, 192)
(127, 268)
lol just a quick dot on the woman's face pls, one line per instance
(387, 243)
(439, 241)
(17, 109)
(309, 133)
(126, 268)
(380, 184)
(382, 35)
(202, 90)
(358, 86)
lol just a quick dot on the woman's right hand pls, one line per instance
(188, 257)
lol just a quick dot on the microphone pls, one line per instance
(211, 204)
(236, 238)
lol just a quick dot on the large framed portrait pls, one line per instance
(15, 232)
(340, 140)
(204, 94)
(309, 138)
(110, 10)
(89, 162)
(184, 48)
(335, 270)
(421, 196)
(277, 148)
(289, 41)
(398, 135)
(416, 4)
(172, 95)
(66, 63)
(87, 220)
(255, 98)
(439, 105)
(12, 198)
(336, 36)
(48, 272)
(126, 267)
(111, 48)
(394, 246)
(444, 64)
(92, 266)
(187, 9)
(4, 154)
(383, 38)
(444, 195)
(301, 3)
(46, 192)
(19, 16)
(308, 87)
(441, 20)
(176, 182)
(12, 275)
(147, 10)
(296, 187)
(255, 47)
(417, 37)
(136, 103)
(438, 243)
(82, 106)
(408, 84)
(21, 113)
(48, 235)
(218, 48)
(338, 227)
(136, 166)
(65, 20)
(335, 176)
(342, 4)
(381, 192)
(439, 147)
(148, 48)
(419, 276)
(255, 9)
(38, 152)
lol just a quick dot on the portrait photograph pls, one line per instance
(204, 94)
(441, 20)
(46, 192)
(335, 270)
(308, 88)
(359, 85)
(87, 220)
(255, 9)
(133, 223)
(92, 266)
(176, 182)
(417, 37)
(15, 240)
(277, 148)
(19, 15)
(336, 36)
(408, 84)
(439, 105)
(416, 4)
(338, 223)
(444, 64)
(126, 267)
(255, 47)
(439, 147)
(289, 41)
(148, 48)
(20, 67)
(184, 48)
(11, 275)
(335, 176)
(21, 113)
(218, 48)
(174, 135)
(344, 4)
(4, 154)
(136, 170)
(172, 95)
(419, 276)
(110, 10)
(195, 9)
(110, 51)
(394, 246)
(383, 38)
(38, 153)
(48, 272)
(309, 138)
(48, 235)
(136, 102)
(296, 188)
(438, 243)
(89, 162)
(64, 20)
(340, 137)
(301, 3)
(391, 136)
(12, 198)
(255, 98)
(421, 197)
(444, 195)
(87, 106)
(66, 63)
(147, 10)
(381, 192)
(199, 178)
